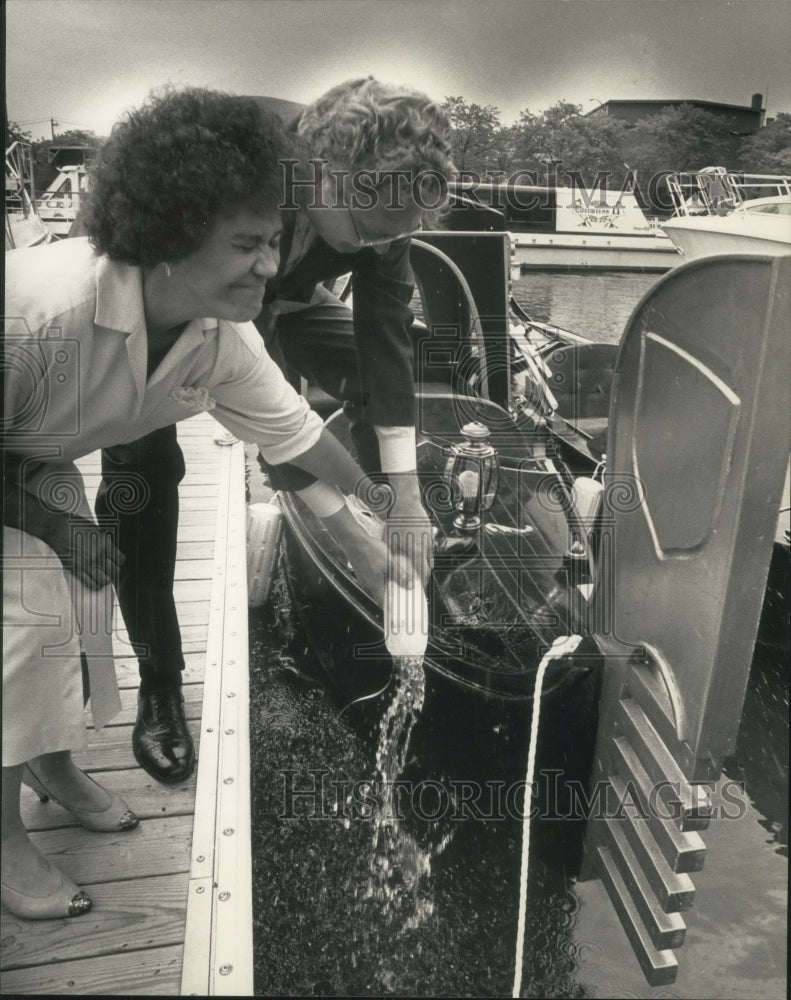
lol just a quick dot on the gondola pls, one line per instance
(516, 564)
(504, 588)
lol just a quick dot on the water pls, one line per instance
(441, 918)
(368, 890)
(596, 305)
(397, 863)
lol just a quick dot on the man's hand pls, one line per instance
(370, 557)
(408, 530)
(85, 549)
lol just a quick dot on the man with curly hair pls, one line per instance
(374, 163)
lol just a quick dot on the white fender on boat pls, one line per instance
(264, 530)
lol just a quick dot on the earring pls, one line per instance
(167, 268)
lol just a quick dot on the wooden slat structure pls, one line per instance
(172, 911)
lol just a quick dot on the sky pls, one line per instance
(83, 62)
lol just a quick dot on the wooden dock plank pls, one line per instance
(142, 914)
(155, 972)
(193, 588)
(155, 847)
(133, 941)
(148, 798)
(193, 699)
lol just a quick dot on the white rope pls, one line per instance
(562, 646)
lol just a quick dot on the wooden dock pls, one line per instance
(172, 900)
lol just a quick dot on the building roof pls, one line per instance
(675, 101)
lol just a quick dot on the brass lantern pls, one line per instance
(471, 473)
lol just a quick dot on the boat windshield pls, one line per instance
(717, 191)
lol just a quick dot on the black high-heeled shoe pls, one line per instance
(117, 816)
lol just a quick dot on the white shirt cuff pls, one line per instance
(397, 448)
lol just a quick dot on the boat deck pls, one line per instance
(172, 911)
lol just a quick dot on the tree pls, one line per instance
(768, 151)
(477, 138)
(678, 138)
(543, 137)
(74, 137)
(588, 145)
(501, 156)
(15, 133)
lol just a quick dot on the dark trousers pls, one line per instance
(149, 472)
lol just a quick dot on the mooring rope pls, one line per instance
(562, 646)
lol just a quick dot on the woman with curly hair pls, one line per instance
(142, 323)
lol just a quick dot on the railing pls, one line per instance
(23, 226)
(717, 191)
(19, 189)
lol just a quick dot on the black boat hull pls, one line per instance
(497, 601)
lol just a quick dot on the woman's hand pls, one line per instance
(85, 549)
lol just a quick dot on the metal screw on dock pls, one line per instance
(229, 732)
(228, 781)
(228, 831)
(225, 969)
(200, 857)
(231, 694)
(199, 889)
(224, 895)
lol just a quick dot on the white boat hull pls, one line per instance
(593, 252)
(739, 232)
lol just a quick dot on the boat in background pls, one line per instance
(24, 227)
(572, 228)
(59, 205)
(719, 211)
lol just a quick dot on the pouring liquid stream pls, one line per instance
(398, 864)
